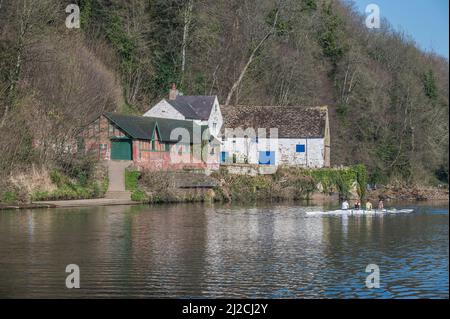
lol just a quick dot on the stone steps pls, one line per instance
(122, 195)
(116, 174)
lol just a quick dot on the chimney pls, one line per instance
(173, 92)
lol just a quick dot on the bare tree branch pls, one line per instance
(250, 60)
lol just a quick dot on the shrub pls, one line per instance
(68, 189)
(442, 174)
(361, 179)
(139, 196)
(132, 180)
(9, 197)
(335, 180)
(82, 169)
(40, 195)
(57, 178)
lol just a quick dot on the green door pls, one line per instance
(121, 150)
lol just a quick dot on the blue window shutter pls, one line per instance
(300, 148)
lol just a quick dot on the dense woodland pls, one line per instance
(388, 100)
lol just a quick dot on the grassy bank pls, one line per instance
(79, 180)
(132, 185)
(67, 189)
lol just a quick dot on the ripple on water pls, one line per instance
(192, 251)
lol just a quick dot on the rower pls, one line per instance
(344, 205)
(368, 205)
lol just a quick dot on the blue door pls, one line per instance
(223, 157)
(267, 158)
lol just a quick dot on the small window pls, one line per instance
(300, 148)
(214, 126)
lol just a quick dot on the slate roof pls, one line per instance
(291, 121)
(194, 107)
(142, 127)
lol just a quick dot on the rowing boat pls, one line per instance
(361, 212)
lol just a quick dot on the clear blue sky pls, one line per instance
(426, 21)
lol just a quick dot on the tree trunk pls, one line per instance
(250, 60)
(24, 27)
(187, 23)
(12, 87)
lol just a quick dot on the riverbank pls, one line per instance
(87, 202)
(411, 196)
(286, 185)
(412, 193)
(25, 206)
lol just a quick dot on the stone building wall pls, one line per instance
(247, 150)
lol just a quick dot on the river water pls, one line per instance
(204, 250)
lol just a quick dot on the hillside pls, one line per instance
(388, 100)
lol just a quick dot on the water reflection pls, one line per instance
(187, 251)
